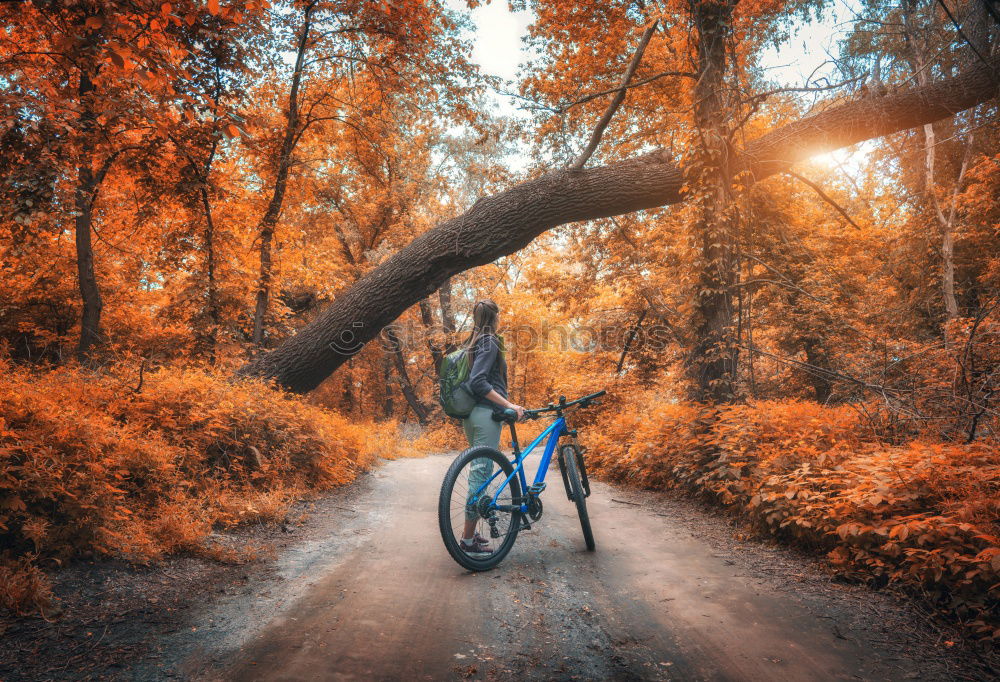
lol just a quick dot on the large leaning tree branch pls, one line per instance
(501, 224)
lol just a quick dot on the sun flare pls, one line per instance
(853, 160)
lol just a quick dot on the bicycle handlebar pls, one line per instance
(585, 401)
(510, 416)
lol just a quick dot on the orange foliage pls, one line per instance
(922, 515)
(89, 466)
(441, 437)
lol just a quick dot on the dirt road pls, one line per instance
(375, 596)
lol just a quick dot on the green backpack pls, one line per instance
(456, 400)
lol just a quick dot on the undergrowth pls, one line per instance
(90, 467)
(923, 515)
(441, 436)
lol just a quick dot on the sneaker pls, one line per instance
(479, 546)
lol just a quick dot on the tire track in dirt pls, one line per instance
(666, 596)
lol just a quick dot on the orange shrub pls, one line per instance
(440, 437)
(23, 586)
(923, 515)
(90, 466)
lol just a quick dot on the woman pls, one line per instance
(488, 383)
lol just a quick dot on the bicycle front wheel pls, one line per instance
(464, 508)
(570, 460)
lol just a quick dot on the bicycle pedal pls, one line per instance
(536, 488)
(524, 526)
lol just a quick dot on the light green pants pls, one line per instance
(480, 429)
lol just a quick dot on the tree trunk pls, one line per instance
(508, 221)
(713, 361)
(447, 315)
(944, 222)
(83, 199)
(211, 287)
(629, 340)
(817, 356)
(427, 318)
(395, 347)
(948, 272)
(948, 238)
(387, 407)
(347, 397)
(270, 219)
(921, 55)
(90, 323)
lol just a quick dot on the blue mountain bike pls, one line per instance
(486, 496)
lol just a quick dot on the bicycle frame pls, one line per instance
(553, 432)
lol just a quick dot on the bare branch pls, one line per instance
(816, 88)
(595, 138)
(788, 283)
(620, 88)
(824, 196)
(628, 342)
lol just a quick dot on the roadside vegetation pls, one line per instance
(107, 465)
(920, 514)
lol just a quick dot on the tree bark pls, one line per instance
(387, 407)
(920, 58)
(347, 397)
(948, 239)
(427, 319)
(90, 293)
(270, 220)
(447, 314)
(83, 200)
(921, 55)
(712, 363)
(211, 286)
(817, 356)
(501, 224)
(395, 347)
(628, 341)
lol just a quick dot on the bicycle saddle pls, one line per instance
(508, 415)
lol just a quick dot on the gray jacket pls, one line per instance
(488, 372)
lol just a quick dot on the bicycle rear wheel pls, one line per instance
(459, 507)
(570, 460)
